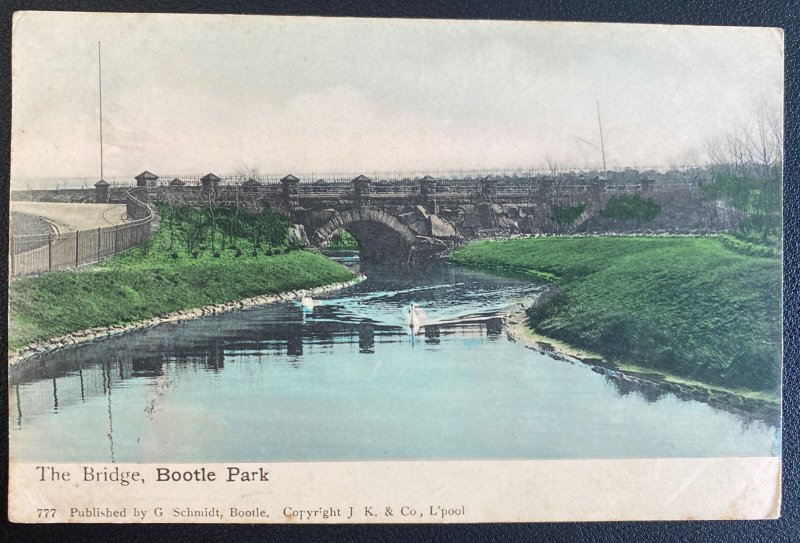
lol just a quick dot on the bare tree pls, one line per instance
(247, 171)
(747, 162)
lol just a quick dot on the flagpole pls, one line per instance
(100, 88)
(602, 146)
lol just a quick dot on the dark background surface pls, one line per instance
(708, 12)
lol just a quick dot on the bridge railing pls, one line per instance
(38, 253)
(223, 192)
(661, 173)
(513, 188)
(252, 191)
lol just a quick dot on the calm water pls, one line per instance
(349, 381)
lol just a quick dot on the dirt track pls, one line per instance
(71, 217)
(24, 224)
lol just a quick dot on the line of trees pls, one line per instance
(208, 227)
(747, 168)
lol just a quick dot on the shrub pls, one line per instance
(626, 208)
(748, 248)
(343, 241)
(566, 215)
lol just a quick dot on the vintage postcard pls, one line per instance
(331, 270)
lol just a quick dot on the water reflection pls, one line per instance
(205, 389)
(432, 334)
(366, 338)
(107, 383)
(625, 385)
(276, 331)
(147, 367)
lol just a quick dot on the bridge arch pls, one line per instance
(380, 235)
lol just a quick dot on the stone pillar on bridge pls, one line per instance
(361, 188)
(291, 193)
(101, 192)
(427, 188)
(146, 179)
(599, 184)
(176, 186)
(546, 186)
(489, 186)
(210, 182)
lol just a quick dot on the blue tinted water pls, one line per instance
(348, 381)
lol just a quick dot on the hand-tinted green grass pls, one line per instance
(687, 306)
(149, 281)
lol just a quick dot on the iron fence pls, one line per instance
(38, 253)
(668, 174)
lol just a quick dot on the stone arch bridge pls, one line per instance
(410, 220)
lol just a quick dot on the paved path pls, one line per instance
(71, 217)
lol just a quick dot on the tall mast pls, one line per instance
(100, 88)
(602, 146)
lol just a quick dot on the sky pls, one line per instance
(226, 93)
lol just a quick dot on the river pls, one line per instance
(348, 381)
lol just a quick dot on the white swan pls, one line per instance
(416, 318)
(307, 302)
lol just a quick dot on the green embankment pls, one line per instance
(160, 278)
(688, 309)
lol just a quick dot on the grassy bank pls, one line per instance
(158, 278)
(689, 309)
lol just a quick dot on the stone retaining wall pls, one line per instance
(32, 352)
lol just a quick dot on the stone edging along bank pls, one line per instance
(103, 332)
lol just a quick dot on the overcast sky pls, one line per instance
(200, 93)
